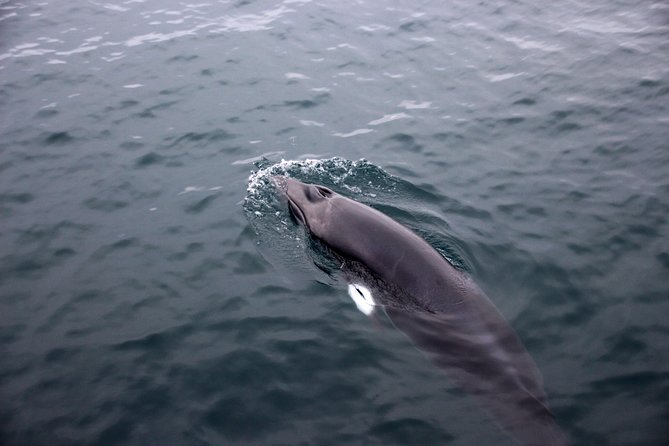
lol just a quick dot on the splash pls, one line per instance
(350, 175)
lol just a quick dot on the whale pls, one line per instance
(392, 270)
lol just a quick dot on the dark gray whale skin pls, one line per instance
(439, 308)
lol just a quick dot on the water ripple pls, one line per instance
(154, 289)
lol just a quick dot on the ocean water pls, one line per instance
(154, 290)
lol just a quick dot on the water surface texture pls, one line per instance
(154, 289)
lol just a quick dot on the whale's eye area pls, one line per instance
(324, 191)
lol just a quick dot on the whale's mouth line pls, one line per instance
(294, 209)
(297, 212)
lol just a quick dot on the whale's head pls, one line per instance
(310, 204)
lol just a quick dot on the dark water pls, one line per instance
(151, 294)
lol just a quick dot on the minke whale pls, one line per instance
(446, 315)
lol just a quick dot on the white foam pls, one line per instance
(308, 123)
(412, 105)
(425, 39)
(299, 76)
(388, 118)
(503, 77)
(337, 170)
(353, 133)
(81, 49)
(373, 27)
(190, 189)
(362, 297)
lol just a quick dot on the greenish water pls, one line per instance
(153, 290)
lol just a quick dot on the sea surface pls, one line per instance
(154, 290)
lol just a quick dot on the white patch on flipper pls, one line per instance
(362, 297)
